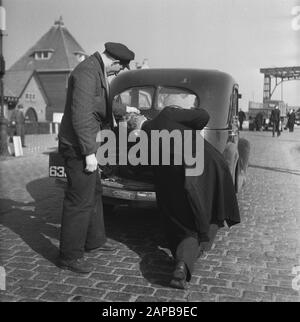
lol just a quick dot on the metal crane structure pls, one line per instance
(279, 75)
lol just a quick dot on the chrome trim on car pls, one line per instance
(117, 193)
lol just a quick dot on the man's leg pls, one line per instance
(23, 135)
(188, 251)
(19, 130)
(20, 133)
(77, 208)
(96, 236)
(277, 128)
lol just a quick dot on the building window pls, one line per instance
(30, 97)
(42, 55)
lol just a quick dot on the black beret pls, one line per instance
(119, 52)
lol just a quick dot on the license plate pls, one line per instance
(57, 171)
(123, 194)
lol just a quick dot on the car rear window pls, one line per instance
(140, 97)
(143, 98)
(176, 96)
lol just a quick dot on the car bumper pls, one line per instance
(120, 196)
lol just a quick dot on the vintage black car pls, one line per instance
(150, 90)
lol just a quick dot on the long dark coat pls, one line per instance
(291, 120)
(275, 115)
(190, 204)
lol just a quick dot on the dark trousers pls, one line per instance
(188, 251)
(20, 131)
(291, 127)
(276, 128)
(241, 125)
(258, 125)
(82, 224)
(177, 216)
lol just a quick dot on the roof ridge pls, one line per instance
(40, 84)
(74, 40)
(65, 46)
(62, 58)
(17, 84)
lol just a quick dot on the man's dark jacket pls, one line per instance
(275, 115)
(18, 117)
(242, 116)
(292, 118)
(86, 105)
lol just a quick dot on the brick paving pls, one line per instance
(252, 261)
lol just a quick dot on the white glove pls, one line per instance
(91, 163)
(132, 109)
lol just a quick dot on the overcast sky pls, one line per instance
(235, 36)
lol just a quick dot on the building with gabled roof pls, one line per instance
(39, 78)
(27, 90)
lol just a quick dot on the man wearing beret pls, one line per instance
(86, 109)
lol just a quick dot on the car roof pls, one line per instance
(213, 87)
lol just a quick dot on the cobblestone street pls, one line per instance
(253, 261)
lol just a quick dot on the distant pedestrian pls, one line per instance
(275, 119)
(291, 120)
(242, 118)
(18, 121)
(259, 121)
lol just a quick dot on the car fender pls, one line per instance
(231, 156)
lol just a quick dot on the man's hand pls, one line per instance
(91, 163)
(141, 119)
(132, 109)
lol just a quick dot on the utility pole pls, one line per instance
(3, 120)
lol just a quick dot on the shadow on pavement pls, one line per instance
(139, 230)
(35, 222)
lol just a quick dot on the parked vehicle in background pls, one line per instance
(266, 109)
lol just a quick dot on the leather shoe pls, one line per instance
(107, 247)
(179, 276)
(75, 265)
